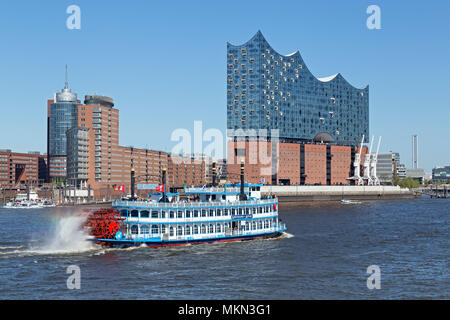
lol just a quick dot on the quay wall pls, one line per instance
(324, 193)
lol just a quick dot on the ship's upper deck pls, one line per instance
(191, 204)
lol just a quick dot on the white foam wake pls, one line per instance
(66, 236)
(287, 235)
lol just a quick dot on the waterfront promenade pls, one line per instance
(324, 193)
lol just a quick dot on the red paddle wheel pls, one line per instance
(104, 223)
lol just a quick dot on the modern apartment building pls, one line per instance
(102, 119)
(441, 174)
(77, 156)
(386, 166)
(267, 90)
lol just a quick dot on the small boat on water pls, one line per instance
(28, 201)
(25, 204)
(350, 202)
(228, 213)
(47, 204)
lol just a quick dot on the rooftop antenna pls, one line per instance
(67, 82)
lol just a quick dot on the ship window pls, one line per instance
(172, 214)
(211, 213)
(225, 212)
(187, 229)
(266, 224)
(247, 226)
(155, 229)
(124, 213)
(211, 228)
(233, 211)
(218, 228)
(180, 230)
(195, 213)
(171, 231)
(203, 213)
(134, 229)
(218, 212)
(240, 211)
(195, 229)
(144, 229)
(254, 210)
(163, 229)
(163, 214)
(188, 213)
(134, 213)
(154, 214)
(247, 211)
(203, 229)
(259, 224)
(254, 225)
(180, 214)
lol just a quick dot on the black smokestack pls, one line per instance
(164, 199)
(214, 173)
(242, 196)
(132, 184)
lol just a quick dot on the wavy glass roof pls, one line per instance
(268, 90)
(259, 36)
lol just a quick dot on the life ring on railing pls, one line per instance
(274, 207)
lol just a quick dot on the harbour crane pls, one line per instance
(373, 166)
(367, 161)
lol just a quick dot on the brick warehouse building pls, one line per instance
(319, 121)
(298, 163)
(18, 170)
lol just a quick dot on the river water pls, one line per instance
(325, 255)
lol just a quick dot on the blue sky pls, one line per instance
(164, 63)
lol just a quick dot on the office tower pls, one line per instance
(61, 116)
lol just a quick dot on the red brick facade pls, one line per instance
(307, 164)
